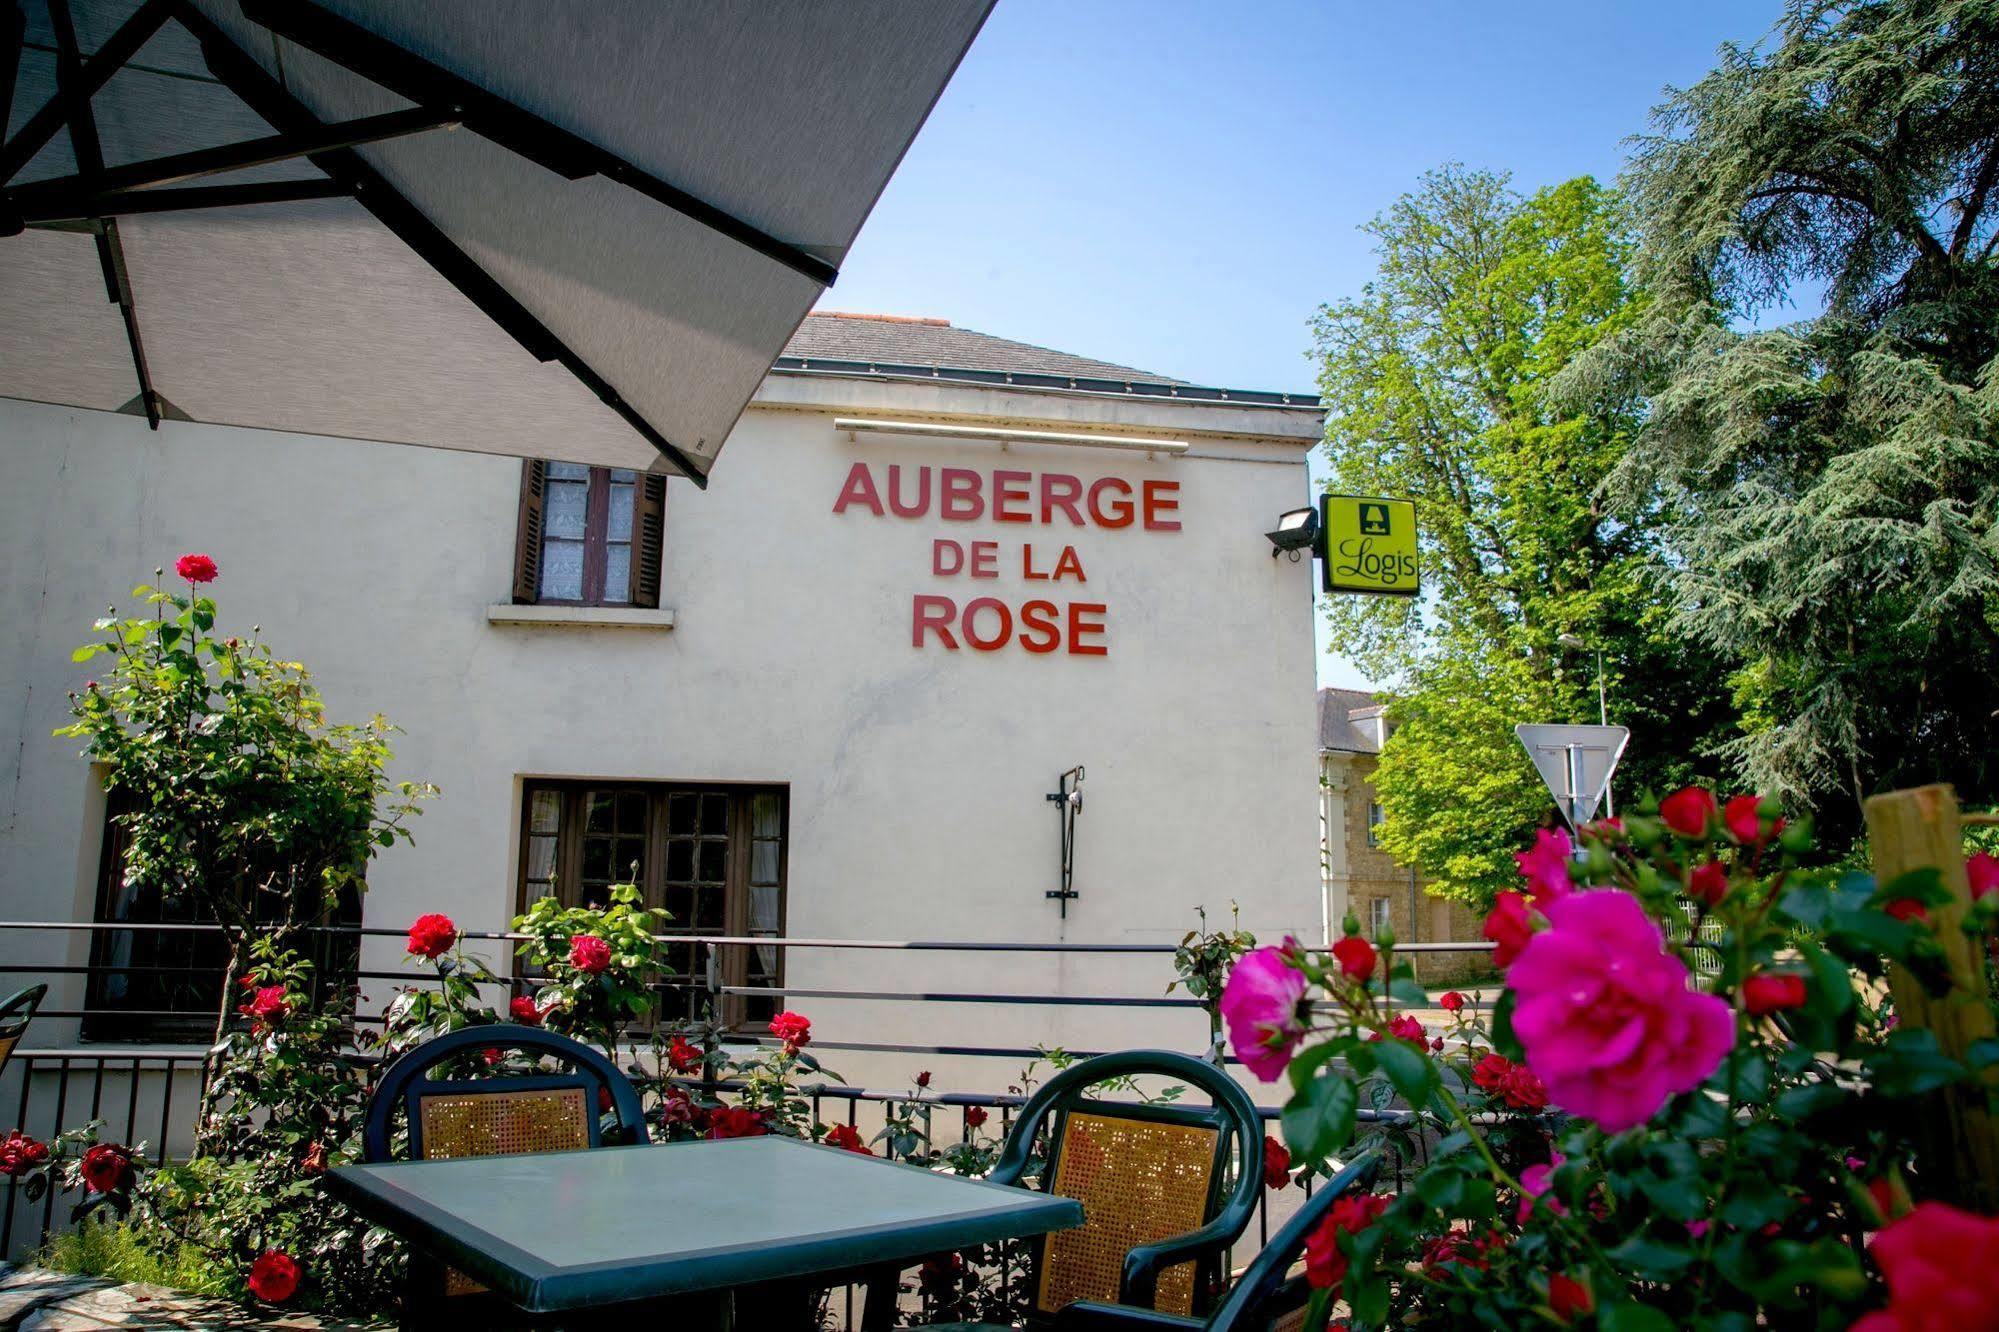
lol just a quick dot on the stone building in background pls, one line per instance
(1358, 875)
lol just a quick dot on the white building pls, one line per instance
(825, 698)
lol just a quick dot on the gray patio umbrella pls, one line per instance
(573, 229)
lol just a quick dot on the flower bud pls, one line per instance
(1351, 925)
(1385, 936)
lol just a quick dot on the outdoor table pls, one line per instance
(573, 1231)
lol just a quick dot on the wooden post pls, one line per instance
(1911, 830)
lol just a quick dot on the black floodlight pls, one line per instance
(1296, 531)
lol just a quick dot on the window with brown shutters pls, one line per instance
(713, 856)
(588, 536)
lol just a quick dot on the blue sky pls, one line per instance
(1177, 185)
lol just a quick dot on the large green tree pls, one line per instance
(1830, 487)
(1435, 383)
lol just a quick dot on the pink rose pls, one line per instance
(1510, 927)
(1263, 1005)
(1535, 1180)
(1604, 1014)
(1689, 811)
(589, 954)
(1942, 1268)
(1546, 867)
(1983, 871)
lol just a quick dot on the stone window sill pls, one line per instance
(580, 617)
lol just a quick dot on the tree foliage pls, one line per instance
(1829, 489)
(1435, 383)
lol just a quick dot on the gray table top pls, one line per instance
(566, 1230)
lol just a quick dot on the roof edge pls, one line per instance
(1110, 388)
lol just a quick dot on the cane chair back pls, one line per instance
(15, 1014)
(504, 1115)
(1165, 1188)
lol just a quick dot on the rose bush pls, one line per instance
(1691, 1105)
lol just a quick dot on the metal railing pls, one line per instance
(148, 1091)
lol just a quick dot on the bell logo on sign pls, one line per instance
(1370, 545)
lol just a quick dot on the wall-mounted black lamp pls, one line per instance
(1295, 532)
(1067, 797)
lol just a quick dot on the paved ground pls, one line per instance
(34, 1300)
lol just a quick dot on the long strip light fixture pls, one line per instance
(855, 427)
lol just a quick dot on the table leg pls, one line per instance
(878, 1308)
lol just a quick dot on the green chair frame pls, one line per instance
(16, 1012)
(1238, 1125)
(1266, 1291)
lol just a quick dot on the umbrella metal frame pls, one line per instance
(95, 197)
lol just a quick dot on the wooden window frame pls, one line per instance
(642, 582)
(568, 868)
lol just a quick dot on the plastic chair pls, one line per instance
(15, 1014)
(1161, 1203)
(502, 1115)
(1268, 1297)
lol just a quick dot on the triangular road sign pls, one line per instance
(1575, 762)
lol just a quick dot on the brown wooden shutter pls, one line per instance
(527, 532)
(649, 532)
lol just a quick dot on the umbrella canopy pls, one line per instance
(572, 229)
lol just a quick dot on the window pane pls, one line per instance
(562, 570)
(566, 509)
(763, 862)
(714, 862)
(547, 811)
(680, 810)
(541, 858)
(715, 814)
(603, 808)
(621, 506)
(618, 572)
(763, 816)
(631, 811)
(568, 471)
(679, 861)
(763, 910)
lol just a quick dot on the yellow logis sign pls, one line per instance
(1369, 545)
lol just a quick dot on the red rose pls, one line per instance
(589, 954)
(20, 1153)
(1451, 1002)
(1405, 1028)
(1276, 1163)
(732, 1121)
(431, 937)
(1942, 1268)
(794, 1029)
(1770, 991)
(1325, 1265)
(314, 1161)
(683, 1056)
(493, 1055)
(847, 1138)
(923, 1080)
(1356, 957)
(106, 1168)
(1744, 824)
(1983, 871)
(267, 1006)
(525, 1011)
(1708, 884)
(274, 1277)
(1522, 1089)
(975, 1115)
(1509, 926)
(1689, 811)
(1907, 908)
(1489, 1074)
(677, 1107)
(195, 568)
(1569, 1298)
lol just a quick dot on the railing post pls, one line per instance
(1917, 829)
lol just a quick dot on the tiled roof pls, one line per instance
(906, 341)
(1336, 720)
(902, 346)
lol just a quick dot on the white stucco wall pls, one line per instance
(916, 776)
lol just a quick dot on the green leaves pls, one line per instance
(1319, 1120)
(1909, 1063)
(1408, 1068)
